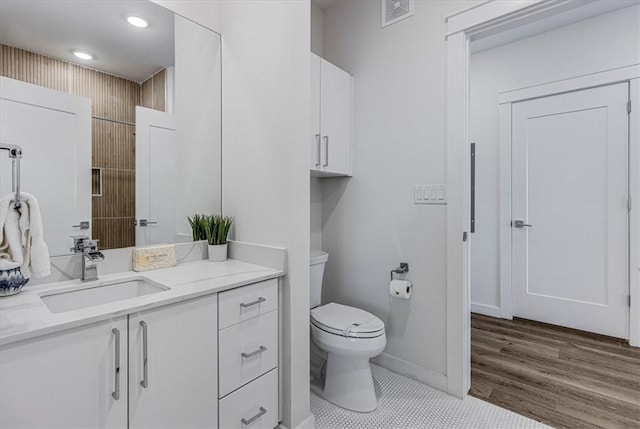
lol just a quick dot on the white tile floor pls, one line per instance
(405, 403)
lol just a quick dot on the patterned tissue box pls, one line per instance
(155, 257)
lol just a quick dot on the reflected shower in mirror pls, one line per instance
(120, 124)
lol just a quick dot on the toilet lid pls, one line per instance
(346, 321)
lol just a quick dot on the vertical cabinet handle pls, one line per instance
(246, 422)
(145, 370)
(116, 392)
(326, 151)
(318, 156)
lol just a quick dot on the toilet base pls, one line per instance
(348, 383)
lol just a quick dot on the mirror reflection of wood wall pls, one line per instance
(113, 132)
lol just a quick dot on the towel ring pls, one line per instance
(15, 153)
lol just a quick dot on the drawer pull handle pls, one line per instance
(252, 303)
(246, 422)
(116, 393)
(145, 358)
(261, 350)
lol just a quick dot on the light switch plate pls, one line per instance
(430, 194)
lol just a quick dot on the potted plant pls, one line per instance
(217, 230)
(197, 223)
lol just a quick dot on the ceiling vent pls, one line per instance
(396, 10)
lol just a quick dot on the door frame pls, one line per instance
(631, 75)
(482, 20)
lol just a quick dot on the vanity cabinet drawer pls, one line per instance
(254, 406)
(247, 350)
(247, 302)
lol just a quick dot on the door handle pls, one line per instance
(145, 367)
(326, 151)
(82, 225)
(521, 224)
(145, 222)
(318, 151)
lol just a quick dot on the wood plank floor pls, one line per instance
(559, 376)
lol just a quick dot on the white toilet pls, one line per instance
(343, 339)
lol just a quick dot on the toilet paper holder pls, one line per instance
(402, 269)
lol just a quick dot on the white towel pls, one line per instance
(21, 237)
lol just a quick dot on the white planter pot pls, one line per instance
(217, 252)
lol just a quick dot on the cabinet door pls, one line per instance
(179, 349)
(66, 379)
(315, 136)
(335, 115)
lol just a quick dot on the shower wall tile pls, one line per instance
(114, 145)
(118, 194)
(114, 233)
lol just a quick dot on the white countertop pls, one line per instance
(25, 315)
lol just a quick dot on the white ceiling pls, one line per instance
(324, 4)
(56, 27)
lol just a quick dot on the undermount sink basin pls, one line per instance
(100, 293)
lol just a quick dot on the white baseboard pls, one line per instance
(411, 370)
(487, 310)
(308, 423)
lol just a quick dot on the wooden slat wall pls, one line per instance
(113, 144)
(33, 68)
(153, 91)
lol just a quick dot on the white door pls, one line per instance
(181, 378)
(54, 130)
(570, 183)
(66, 379)
(156, 175)
(335, 116)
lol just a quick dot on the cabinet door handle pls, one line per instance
(326, 151)
(261, 350)
(145, 364)
(246, 422)
(318, 156)
(116, 392)
(252, 303)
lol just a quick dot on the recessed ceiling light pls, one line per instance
(83, 55)
(136, 21)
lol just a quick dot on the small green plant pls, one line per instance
(217, 228)
(197, 223)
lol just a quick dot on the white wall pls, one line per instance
(266, 122)
(206, 13)
(198, 112)
(600, 43)
(317, 31)
(370, 221)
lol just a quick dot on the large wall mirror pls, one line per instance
(120, 124)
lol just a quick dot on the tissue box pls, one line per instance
(155, 257)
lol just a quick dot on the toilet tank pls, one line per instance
(318, 260)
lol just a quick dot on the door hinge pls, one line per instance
(629, 106)
(464, 236)
(629, 204)
(629, 300)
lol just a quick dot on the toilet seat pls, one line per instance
(346, 321)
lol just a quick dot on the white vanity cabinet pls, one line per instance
(74, 379)
(248, 356)
(331, 118)
(173, 374)
(66, 379)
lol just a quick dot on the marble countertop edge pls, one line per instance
(24, 316)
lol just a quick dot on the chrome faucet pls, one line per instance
(90, 256)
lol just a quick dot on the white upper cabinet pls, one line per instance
(331, 119)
